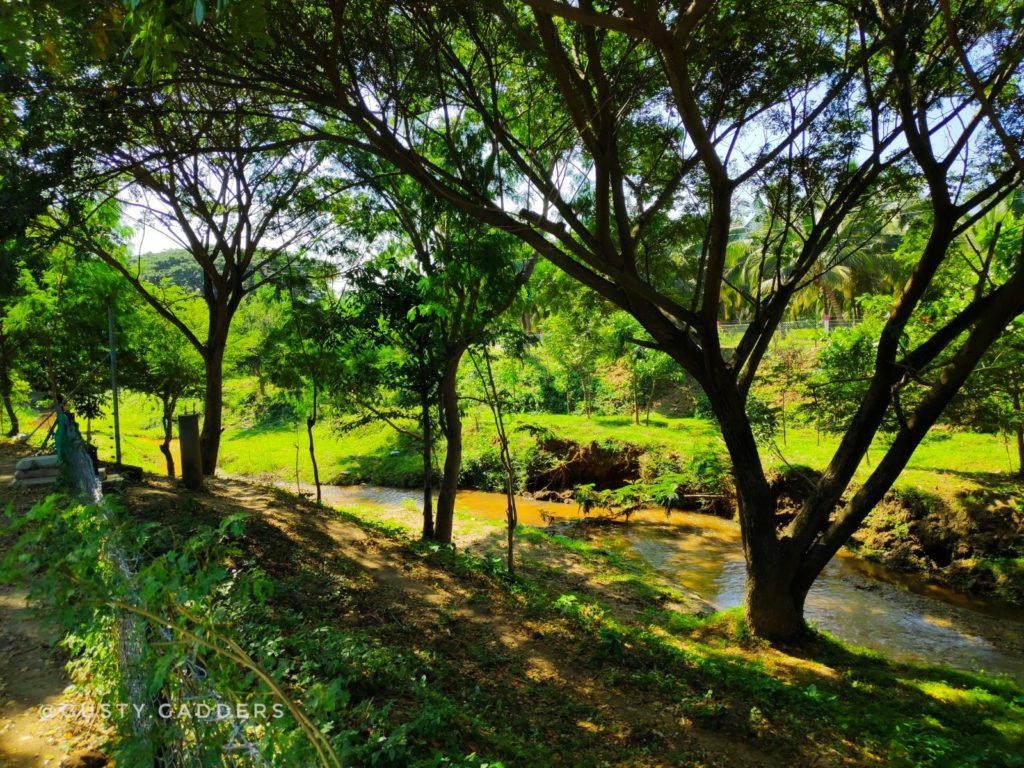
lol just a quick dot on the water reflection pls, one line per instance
(862, 603)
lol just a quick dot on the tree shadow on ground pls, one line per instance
(613, 674)
(822, 680)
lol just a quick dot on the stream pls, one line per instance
(900, 615)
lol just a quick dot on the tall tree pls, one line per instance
(227, 185)
(61, 321)
(465, 276)
(657, 113)
(612, 119)
(393, 353)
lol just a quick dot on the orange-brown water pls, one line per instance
(900, 615)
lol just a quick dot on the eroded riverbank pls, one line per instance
(899, 615)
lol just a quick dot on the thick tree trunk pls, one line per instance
(6, 389)
(428, 504)
(167, 419)
(774, 600)
(453, 450)
(213, 406)
(774, 605)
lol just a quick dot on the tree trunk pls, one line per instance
(453, 450)
(428, 510)
(167, 418)
(1020, 449)
(261, 384)
(774, 599)
(1019, 429)
(784, 417)
(774, 605)
(832, 301)
(6, 388)
(213, 406)
(636, 402)
(650, 402)
(310, 423)
(494, 403)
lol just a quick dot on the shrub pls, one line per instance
(483, 471)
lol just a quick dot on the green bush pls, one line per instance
(178, 604)
(483, 470)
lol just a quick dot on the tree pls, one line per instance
(785, 373)
(236, 194)
(302, 358)
(39, 147)
(611, 120)
(158, 360)
(259, 318)
(466, 276)
(61, 321)
(578, 333)
(10, 341)
(393, 357)
(992, 398)
(493, 399)
(647, 369)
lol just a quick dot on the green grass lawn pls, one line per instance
(948, 464)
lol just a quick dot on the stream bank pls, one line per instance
(864, 603)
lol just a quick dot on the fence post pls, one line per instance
(191, 452)
(113, 384)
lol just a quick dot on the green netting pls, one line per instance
(73, 456)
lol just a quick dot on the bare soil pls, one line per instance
(42, 721)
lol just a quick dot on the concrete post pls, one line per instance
(191, 452)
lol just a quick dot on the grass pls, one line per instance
(719, 676)
(950, 464)
(824, 698)
(441, 658)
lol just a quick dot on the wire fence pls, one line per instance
(181, 742)
(795, 325)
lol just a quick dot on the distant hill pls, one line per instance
(176, 266)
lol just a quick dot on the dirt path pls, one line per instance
(40, 721)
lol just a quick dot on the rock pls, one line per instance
(30, 481)
(37, 462)
(28, 474)
(88, 759)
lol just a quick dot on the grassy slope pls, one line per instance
(583, 659)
